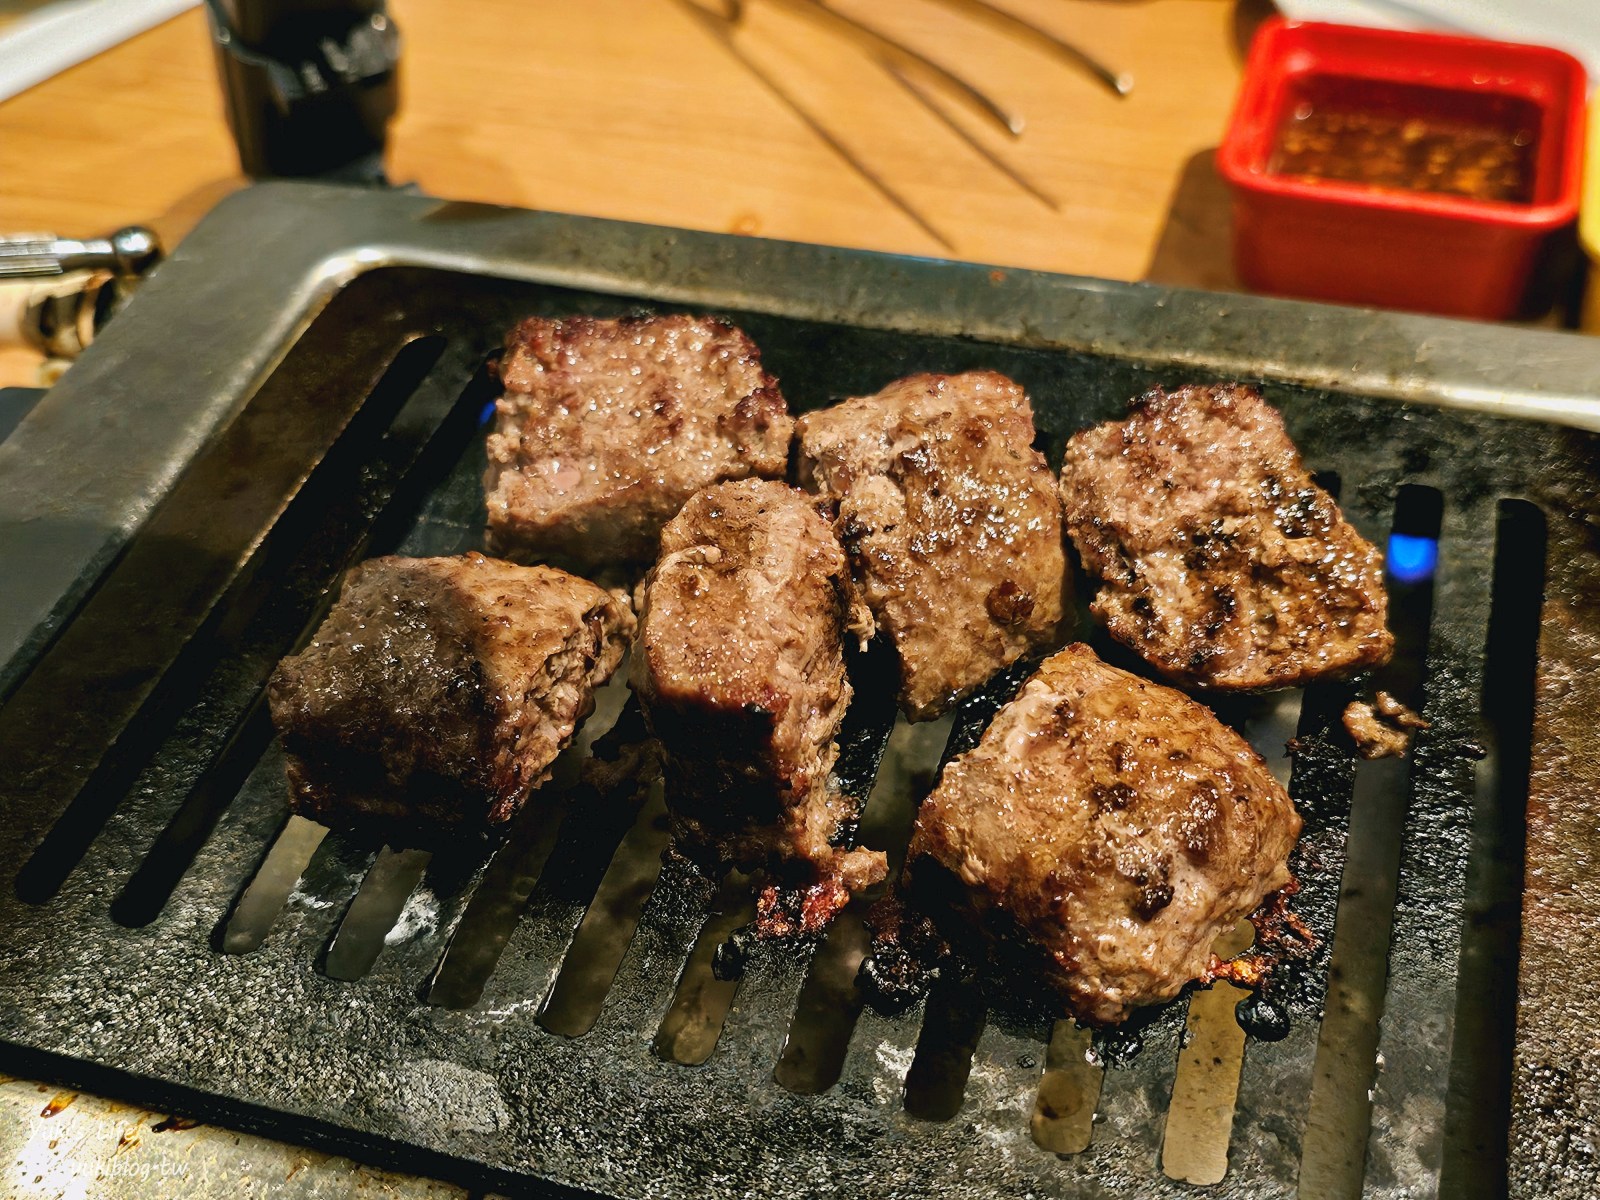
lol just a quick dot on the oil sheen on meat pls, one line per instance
(1101, 835)
(608, 426)
(740, 669)
(951, 522)
(1219, 560)
(438, 691)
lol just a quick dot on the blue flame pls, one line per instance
(1412, 559)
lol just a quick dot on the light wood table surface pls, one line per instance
(631, 109)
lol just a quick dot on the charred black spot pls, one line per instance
(1008, 604)
(1146, 400)
(1062, 715)
(1115, 796)
(908, 956)
(730, 958)
(1153, 897)
(1120, 758)
(1300, 516)
(1261, 1018)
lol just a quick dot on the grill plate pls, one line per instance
(123, 988)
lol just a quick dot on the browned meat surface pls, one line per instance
(951, 522)
(438, 691)
(1219, 560)
(1101, 835)
(1381, 729)
(740, 669)
(607, 427)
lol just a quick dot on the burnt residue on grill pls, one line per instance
(473, 1086)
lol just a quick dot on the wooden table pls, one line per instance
(631, 109)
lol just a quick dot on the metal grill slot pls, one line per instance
(142, 899)
(1194, 1147)
(372, 914)
(1200, 1114)
(829, 1003)
(868, 726)
(952, 1023)
(486, 899)
(956, 1013)
(1476, 1134)
(1269, 724)
(415, 944)
(496, 905)
(327, 887)
(1334, 1160)
(692, 1025)
(1069, 1092)
(825, 1015)
(608, 924)
(263, 899)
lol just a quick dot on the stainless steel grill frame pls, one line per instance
(313, 356)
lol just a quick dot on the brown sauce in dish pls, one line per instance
(1409, 137)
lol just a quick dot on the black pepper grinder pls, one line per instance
(310, 85)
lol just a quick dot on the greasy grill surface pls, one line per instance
(129, 960)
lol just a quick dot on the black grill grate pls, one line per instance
(144, 792)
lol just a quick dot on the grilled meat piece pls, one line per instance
(740, 669)
(438, 691)
(1382, 728)
(1100, 836)
(951, 522)
(608, 426)
(1219, 560)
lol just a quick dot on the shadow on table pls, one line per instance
(1196, 245)
(1195, 248)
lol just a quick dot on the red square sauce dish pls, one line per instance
(1403, 170)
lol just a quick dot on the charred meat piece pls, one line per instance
(951, 523)
(438, 691)
(1100, 836)
(1219, 560)
(1382, 728)
(740, 669)
(608, 426)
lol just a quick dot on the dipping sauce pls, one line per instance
(1408, 137)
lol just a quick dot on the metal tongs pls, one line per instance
(56, 293)
(894, 56)
(127, 253)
